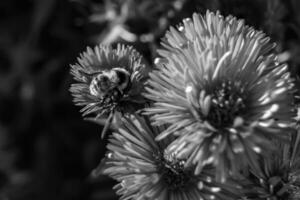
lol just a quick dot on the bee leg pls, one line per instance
(107, 124)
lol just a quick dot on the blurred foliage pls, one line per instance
(46, 150)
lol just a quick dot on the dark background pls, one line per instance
(47, 151)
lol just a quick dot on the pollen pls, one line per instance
(227, 103)
(174, 175)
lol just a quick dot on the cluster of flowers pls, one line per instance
(214, 119)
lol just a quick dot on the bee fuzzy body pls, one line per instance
(111, 85)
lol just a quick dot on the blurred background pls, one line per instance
(47, 151)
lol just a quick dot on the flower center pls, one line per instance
(281, 189)
(226, 104)
(174, 175)
(279, 186)
(294, 189)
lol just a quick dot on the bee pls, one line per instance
(111, 85)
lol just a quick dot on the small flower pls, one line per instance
(277, 177)
(109, 80)
(222, 92)
(145, 171)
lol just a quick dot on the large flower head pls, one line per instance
(109, 80)
(145, 171)
(222, 92)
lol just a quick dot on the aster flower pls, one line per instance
(110, 80)
(277, 177)
(222, 92)
(145, 171)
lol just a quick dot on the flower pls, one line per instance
(222, 92)
(277, 176)
(145, 171)
(109, 80)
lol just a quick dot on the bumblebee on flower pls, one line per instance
(110, 80)
(222, 92)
